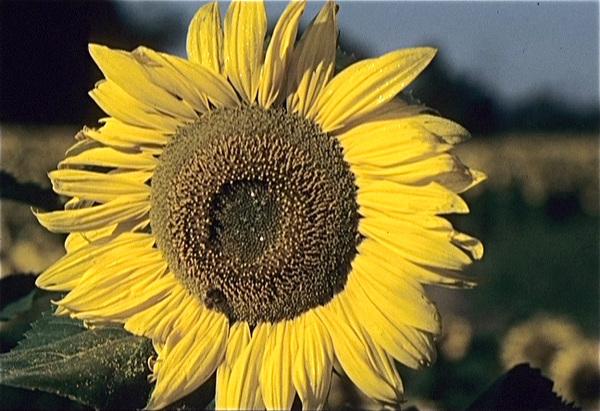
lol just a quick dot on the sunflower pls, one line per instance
(576, 374)
(259, 217)
(538, 341)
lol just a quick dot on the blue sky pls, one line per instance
(515, 49)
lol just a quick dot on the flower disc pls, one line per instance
(255, 211)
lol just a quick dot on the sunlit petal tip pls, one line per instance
(313, 61)
(472, 179)
(478, 177)
(278, 54)
(367, 84)
(205, 38)
(245, 30)
(469, 244)
(451, 132)
(95, 50)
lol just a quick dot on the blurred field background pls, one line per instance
(537, 214)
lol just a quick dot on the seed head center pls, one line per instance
(246, 220)
(255, 211)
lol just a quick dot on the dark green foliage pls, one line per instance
(104, 367)
(19, 306)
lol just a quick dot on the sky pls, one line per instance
(517, 50)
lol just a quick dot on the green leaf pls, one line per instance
(103, 367)
(17, 307)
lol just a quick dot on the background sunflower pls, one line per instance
(537, 214)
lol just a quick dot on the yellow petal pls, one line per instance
(396, 299)
(115, 102)
(206, 82)
(279, 53)
(313, 362)
(78, 240)
(245, 29)
(175, 324)
(476, 177)
(429, 246)
(363, 86)
(313, 60)
(443, 228)
(186, 366)
(445, 169)
(91, 218)
(147, 322)
(381, 361)
(136, 176)
(161, 72)
(109, 157)
(76, 203)
(398, 277)
(239, 338)
(244, 391)
(391, 198)
(116, 133)
(450, 131)
(411, 118)
(394, 109)
(205, 38)
(390, 142)
(276, 372)
(125, 70)
(468, 243)
(396, 322)
(83, 143)
(308, 88)
(64, 274)
(389, 335)
(145, 287)
(115, 270)
(404, 291)
(357, 357)
(100, 187)
(393, 262)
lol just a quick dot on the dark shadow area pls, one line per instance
(45, 68)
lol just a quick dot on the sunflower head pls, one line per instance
(538, 341)
(259, 216)
(255, 211)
